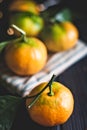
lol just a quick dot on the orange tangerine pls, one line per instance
(51, 110)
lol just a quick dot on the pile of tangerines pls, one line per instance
(28, 53)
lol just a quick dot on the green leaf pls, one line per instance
(60, 15)
(8, 109)
(3, 45)
(63, 15)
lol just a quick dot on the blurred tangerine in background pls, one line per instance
(24, 5)
(31, 23)
(60, 36)
(25, 15)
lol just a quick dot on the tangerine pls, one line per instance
(60, 36)
(51, 110)
(24, 5)
(26, 57)
(31, 23)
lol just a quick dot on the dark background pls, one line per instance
(74, 77)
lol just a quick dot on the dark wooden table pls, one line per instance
(75, 78)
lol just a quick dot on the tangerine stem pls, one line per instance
(22, 32)
(18, 29)
(38, 94)
(50, 88)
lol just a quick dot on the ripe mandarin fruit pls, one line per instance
(60, 36)
(31, 23)
(23, 6)
(51, 110)
(26, 56)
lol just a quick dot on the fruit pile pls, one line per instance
(50, 103)
(28, 53)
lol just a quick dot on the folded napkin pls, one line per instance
(56, 64)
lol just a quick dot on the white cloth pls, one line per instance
(56, 64)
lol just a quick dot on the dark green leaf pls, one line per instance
(63, 15)
(8, 109)
(3, 45)
(59, 16)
